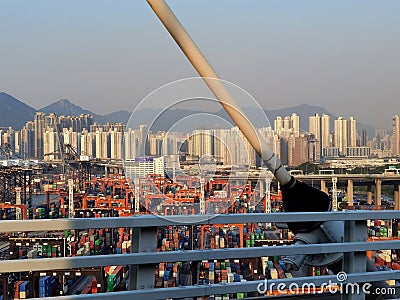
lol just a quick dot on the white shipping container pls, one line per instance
(391, 282)
(33, 253)
(124, 245)
(274, 274)
(211, 275)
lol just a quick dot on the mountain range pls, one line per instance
(15, 113)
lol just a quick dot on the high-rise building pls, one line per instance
(17, 143)
(155, 145)
(39, 128)
(116, 144)
(221, 148)
(363, 138)
(27, 147)
(170, 144)
(341, 135)
(287, 126)
(201, 142)
(9, 140)
(396, 136)
(231, 148)
(143, 140)
(99, 143)
(106, 145)
(297, 150)
(325, 131)
(88, 143)
(352, 132)
(278, 124)
(131, 143)
(271, 138)
(319, 127)
(314, 128)
(345, 135)
(295, 124)
(50, 144)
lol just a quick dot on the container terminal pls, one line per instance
(36, 193)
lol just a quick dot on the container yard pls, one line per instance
(53, 196)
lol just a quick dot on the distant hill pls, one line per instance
(121, 116)
(14, 112)
(67, 108)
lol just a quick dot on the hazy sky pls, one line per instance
(108, 55)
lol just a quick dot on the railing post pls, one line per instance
(334, 194)
(354, 262)
(143, 240)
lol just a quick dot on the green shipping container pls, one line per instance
(110, 282)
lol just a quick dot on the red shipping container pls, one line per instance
(16, 289)
(94, 286)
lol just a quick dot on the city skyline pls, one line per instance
(67, 108)
(48, 137)
(342, 56)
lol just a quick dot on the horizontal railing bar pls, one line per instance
(153, 220)
(190, 255)
(235, 287)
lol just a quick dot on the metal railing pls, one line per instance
(143, 256)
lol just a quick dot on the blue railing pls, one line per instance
(144, 256)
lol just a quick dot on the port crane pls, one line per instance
(6, 151)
